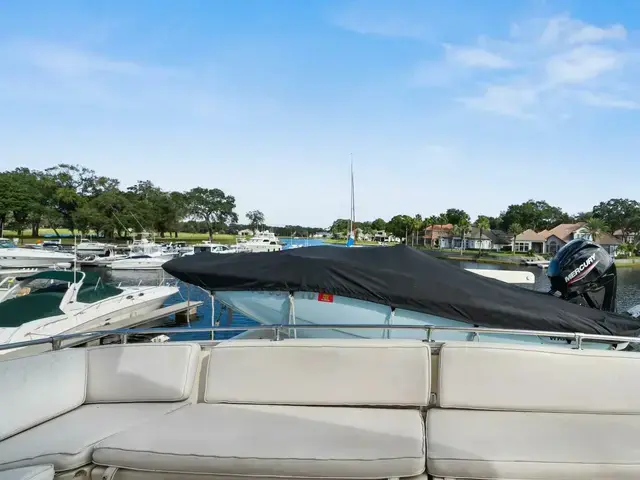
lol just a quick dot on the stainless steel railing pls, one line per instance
(56, 341)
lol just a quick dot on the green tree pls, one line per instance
(378, 224)
(461, 230)
(213, 207)
(455, 216)
(256, 219)
(619, 214)
(399, 226)
(515, 229)
(596, 226)
(339, 227)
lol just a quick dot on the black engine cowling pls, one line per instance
(583, 272)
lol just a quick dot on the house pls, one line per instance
(500, 240)
(624, 237)
(321, 235)
(530, 241)
(559, 236)
(246, 232)
(472, 240)
(434, 232)
(381, 236)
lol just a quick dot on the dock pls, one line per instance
(188, 308)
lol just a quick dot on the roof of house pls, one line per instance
(500, 236)
(605, 238)
(474, 233)
(563, 231)
(448, 226)
(530, 236)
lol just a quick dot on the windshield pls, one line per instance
(37, 286)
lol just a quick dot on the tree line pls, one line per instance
(616, 214)
(76, 198)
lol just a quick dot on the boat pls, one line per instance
(54, 301)
(145, 255)
(262, 242)
(12, 256)
(394, 285)
(294, 408)
(88, 247)
(208, 247)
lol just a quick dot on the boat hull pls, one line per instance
(272, 308)
(39, 261)
(139, 264)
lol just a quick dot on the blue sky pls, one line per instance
(466, 104)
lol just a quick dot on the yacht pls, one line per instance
(145, 255)
(12, 256)
(51, 302)
(88, 247)
(401, 285)
(207, 247)
(262, 242)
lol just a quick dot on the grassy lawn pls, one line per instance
(182, 237)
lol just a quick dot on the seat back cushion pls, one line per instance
(320, 372)
(38, 388)
(150, 372)
(542, 379)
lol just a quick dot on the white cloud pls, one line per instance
(542, 67)
(475, 57)
(582, 64)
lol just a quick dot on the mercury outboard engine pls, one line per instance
(583, 272)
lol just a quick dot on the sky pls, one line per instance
(442, 104)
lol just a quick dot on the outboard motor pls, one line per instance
(583, 272)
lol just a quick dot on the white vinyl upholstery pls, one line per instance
(293, 408)
(37, 472)
(43, 397)
(534, 413)
(67, 441)
(320, 372)
(543, 379)
(274, 440)
(40, 387)
(149, 372)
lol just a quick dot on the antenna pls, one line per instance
(353, 200)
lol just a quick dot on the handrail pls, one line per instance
(56, 340)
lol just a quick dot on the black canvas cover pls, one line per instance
(401, 277)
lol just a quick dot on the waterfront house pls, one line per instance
(500, 240)
(472, 240)
(434, 232)
(530, 241)
(559, 236)
(246, 232)
(625, 237)
(381, 236)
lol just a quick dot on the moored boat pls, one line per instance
(387, 286)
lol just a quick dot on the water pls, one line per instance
(628, 293)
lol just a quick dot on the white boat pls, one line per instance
(12, 256)
(262, 242)
(207, 247)
(290, 408)
(52, 302)
(388, 286)
(145, 255)
(88, 247)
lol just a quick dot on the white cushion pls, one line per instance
(282, 441)
(532, 445)
(517, 377)
(40, 387)
(320, 372)
(37, 472)
(67, 441)
(152, 372)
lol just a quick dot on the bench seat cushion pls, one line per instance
(67, 441)
(532, 445)
(37, 472)
(287, 441)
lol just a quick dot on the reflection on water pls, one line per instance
(628, 281)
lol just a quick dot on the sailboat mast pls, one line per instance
(352, 218)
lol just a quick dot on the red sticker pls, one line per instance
(325, 297)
